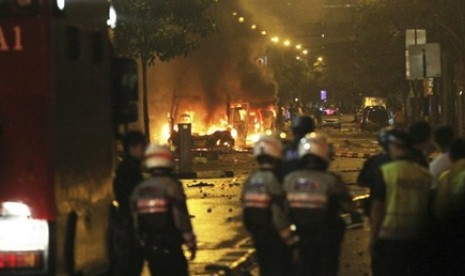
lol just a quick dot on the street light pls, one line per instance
(298, 57)
(298, 46)
(305, 52)
(263, 32)
(241, 19)
(320, 59)
(275, 39)
(253, 27)
(287, 43)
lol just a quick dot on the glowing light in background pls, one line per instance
(298, 46)
(275, 39)
(241, 19)
(287, 43)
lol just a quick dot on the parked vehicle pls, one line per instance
(332, 119)
(374, 118)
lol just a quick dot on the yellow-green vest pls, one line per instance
(408, 188)
(451, 189)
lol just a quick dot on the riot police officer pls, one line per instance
(316, 197)
(301, 125)
(161, 219)
(263, 211)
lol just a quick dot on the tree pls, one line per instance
(151, 30)
(292, 75)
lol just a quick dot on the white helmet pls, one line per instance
(158, 156)
(268, 145)
(316, 144)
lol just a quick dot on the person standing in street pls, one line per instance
(124, 252)
(264, 214)
(399, 212)
(301, 125)
(315, 198)
(160, 216)
(443, 137)
(420, 136)
(450, 195)
(372, 166)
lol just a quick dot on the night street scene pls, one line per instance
(232, 137)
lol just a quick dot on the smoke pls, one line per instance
(224, 68)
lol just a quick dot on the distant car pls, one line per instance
(374, 118)
(331, 119)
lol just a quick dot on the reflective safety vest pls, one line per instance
(451, 189)
(314, 199)
(160, 214)
(407, 194)
(263, 199)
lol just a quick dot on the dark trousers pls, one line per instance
(126, 255)
(318, 259)
(166, 262)
(319, 252)
(396, 258)
(273, 255)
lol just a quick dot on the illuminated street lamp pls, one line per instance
(253, 27)
(234, 13)
(287, 43)
(275, 39)
(263, 32)
(320, 59)
(298, 46)
(298, 58)
(305, 52)
(241, 19)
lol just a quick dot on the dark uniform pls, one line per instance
(266, 219)
(301, 125)
(315, 199)
(368, 175)
(126, 256)
(162, 225)
(291, 159)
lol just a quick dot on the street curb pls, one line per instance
(353, 155)
(205, 174)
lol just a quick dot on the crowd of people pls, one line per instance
(292, 205)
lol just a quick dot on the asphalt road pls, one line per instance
(214, 205)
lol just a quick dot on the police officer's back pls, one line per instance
(301, 125)
(263, 211)
(316, 198)
(161, 218)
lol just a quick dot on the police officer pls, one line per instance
(400, 210)
(263, 211)
(451, 189)
(125, 255)
(316, 197)
(420, 136)
(372, 165)
(301, 125)
(161, 219)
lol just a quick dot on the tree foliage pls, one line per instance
(373, 61)
(292, 76)
(159, 29)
